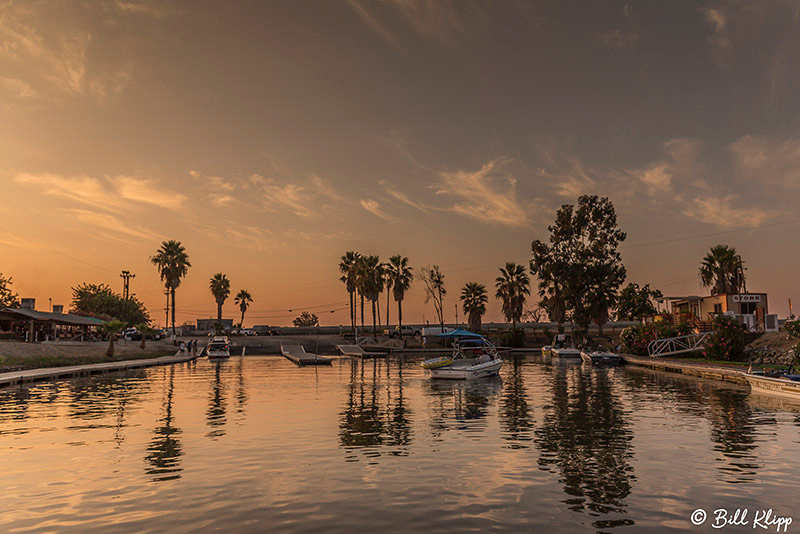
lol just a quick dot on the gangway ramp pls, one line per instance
(671, 346)
(298, 355)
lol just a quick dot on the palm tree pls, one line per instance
(348, 266)
(722, 269)
(172, 263)
(387, 285)
(474, 298)
(401, 276)
(243, 300)
(220, 287)
(371, 277)
(145, 330)
(112, 328)
(512, 287)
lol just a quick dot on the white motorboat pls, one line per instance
(600, 357)
(219, 348)
(785, 385)
(565, 352)
(474, 356)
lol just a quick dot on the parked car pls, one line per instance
(247, 332)
(405, 330)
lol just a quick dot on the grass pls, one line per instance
(16, 363)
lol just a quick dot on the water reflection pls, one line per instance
(217, 405)
(241, 391)
(165, 448)
(461, 405)
(516, 418)
(586, 437)
(376, 413)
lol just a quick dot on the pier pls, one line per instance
(726, 373)
(55, 373)
(298, 355)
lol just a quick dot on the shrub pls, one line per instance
(725, 341)
(514, 338)
(792, 328)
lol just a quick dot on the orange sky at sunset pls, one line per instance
(272, 137)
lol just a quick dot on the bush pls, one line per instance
(726, 341)
(792, 328)
(636, 338)
(514, 338)
(5, 336)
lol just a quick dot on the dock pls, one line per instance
(358, 352)
(724, 373)
(57, 373)
(298, 355)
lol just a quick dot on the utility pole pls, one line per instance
(166, 310)
(126, 283)
(456, 307)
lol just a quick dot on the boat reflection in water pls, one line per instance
(217, 404)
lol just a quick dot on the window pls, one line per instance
(717, 308)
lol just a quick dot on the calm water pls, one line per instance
(256, 444)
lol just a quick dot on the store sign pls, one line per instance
(747, 298)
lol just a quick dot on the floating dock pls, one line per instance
(56, 373)
(703, 370)
(358, 352)
(298, 355)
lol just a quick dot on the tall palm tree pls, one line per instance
(348, 266)
(220, 287)
(172, 263)
(401, 276)
(387, 285)
(243, 300)
(513, 285)
(722, 269)
(474, 298)
(371, 284)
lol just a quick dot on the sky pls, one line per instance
(272, 137)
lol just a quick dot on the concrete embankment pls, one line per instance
(55, 373)
(704, 370)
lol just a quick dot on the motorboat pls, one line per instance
(547, 350)
(474, 356)
(219, 348)
(785, 384)
(565, 352)
(600, 357)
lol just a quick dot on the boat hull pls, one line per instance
(546, 350)
(774, 386)
(566, 353)
(456, 372)
(601, 358)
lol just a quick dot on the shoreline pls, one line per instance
(710, 371)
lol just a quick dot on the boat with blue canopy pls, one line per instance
(474, 356)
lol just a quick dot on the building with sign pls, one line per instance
(751, 307)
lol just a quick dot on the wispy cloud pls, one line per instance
(145, 191)
(769, 160)
(103, 222)
(723, 212)
(620, 39)
(304, 200)
(402, 197)
(488, 194)
(375, 208)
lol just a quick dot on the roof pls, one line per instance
(58, 318)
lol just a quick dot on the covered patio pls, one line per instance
(36, 326)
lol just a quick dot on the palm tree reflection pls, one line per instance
(164, 451)
(516, 418)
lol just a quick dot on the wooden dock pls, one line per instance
(56, 373)
(298, 355)
(358, 352)
(704, 370)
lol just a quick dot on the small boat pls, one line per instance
(600, 357)
(219, 348)
(547, 350)
(565, 352)
(785, 384)
(474, 356)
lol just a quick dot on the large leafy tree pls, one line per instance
(172, 263)
(635, 302)
(243, 300)
(433, 279)
(580, 268)
(99, 300)
(513, 286)
(220, 287)
(306, 319)
(8, 298)
(473, 301)
(722, 270)
(348, 267)
(401, 276)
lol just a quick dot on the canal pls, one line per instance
(256, 444)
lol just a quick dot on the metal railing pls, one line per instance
(676, 345)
